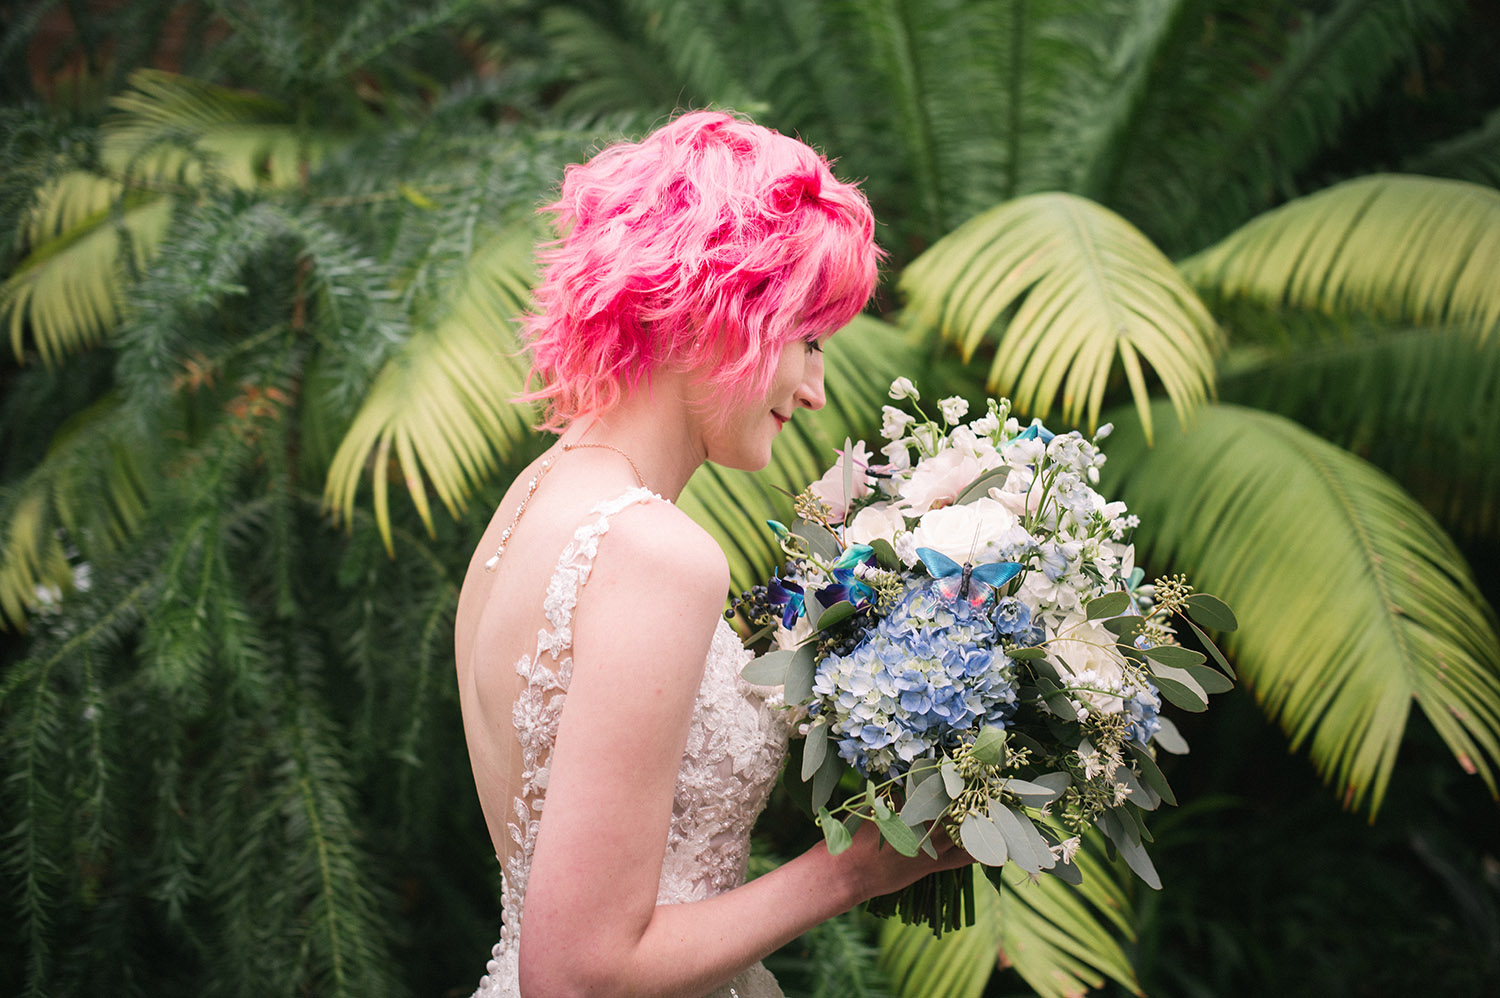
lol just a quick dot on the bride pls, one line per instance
(679, 319)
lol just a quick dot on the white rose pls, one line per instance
(882, 521)
(1086, 656)
(786, 640)
(976, 531)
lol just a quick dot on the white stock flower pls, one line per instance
(953, 409)
(902, 388)
(898, 455)
(894, 422)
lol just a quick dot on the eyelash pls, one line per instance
(814, 345)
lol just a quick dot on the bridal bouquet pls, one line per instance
(966, 629)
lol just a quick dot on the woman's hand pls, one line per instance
(876, 868)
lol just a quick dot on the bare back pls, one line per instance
(500, 614)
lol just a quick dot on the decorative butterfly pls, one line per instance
(1036, 429)
(970, 582)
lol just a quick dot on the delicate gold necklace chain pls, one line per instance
(536, 479)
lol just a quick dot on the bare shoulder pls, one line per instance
(656, 546)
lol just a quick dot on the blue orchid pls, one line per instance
(789, 596)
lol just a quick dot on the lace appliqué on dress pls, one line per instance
(735, 747)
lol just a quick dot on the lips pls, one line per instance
(780, 419)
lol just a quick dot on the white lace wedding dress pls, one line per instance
(734, 752)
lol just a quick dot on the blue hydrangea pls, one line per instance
(928, 671)
(1141, 707)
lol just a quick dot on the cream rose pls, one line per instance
(830, 488)
(974, 531)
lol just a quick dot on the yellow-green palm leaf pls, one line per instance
(1412, 249)
(1352, 601)
(443, 402)
(68, 290)
(1067, 288)
(1062, 940)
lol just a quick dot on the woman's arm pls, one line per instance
(591, 924)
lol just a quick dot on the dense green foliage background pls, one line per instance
(255, 411)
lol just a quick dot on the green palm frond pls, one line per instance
(88, 494)
(1429, 411)
(1352, 602)
(169, 127)
(1472, 156)
(1062, 940)
(68, 291)
(1240, 149)
(443, 403)
(1407, 249)
(860, 363)
(1075, 286)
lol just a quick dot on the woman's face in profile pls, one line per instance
(739, 431)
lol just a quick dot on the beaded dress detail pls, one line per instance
(735, 748)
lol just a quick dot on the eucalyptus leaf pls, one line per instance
(1169, 738)
(989, 746)
(1108, 605)
(1038, 794)
(1210, 611)
(981, 486)
(1026, 654)
(826, 779)
(836, 614)
(815, 750)
(1121, 834)
(800, 672)
(952, 782)
(1151, 772)
(1180, 688)
(927, 801)
(1213, 650)
(1056, 700)
(769, 669)
(1027, 847)
(885, 555)
(898, 834)
(982, 839)
(820, 540)
(848, 458)
(1140, 793)
(1175, 655)
(834, 832)
(1212, 680)
(1125, 627)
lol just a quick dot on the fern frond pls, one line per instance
(1353, 603)
(1076, 285)
(1415, 250)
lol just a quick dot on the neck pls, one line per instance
(656, 428)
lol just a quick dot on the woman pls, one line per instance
(678, 319)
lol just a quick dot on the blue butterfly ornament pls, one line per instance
(969, 582)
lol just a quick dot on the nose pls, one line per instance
(810, 392)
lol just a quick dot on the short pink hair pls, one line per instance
(706, 246)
